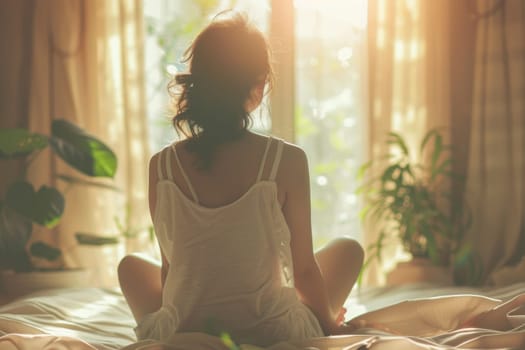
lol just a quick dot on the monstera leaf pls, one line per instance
(44, 207)
(20, 142)
(81, 150)
(24, 205)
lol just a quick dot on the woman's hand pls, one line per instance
(340, 316)
(340, 327)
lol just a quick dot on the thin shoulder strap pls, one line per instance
(263, 160)
(179, 164)
(276, 160)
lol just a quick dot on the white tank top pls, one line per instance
(230, 267)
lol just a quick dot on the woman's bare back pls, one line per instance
(233, 172)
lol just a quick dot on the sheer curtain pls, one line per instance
(87, 67)
(282, 40)
(495, 188)
(458, 64)
(409, 62)
(15, 45)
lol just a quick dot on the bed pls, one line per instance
(417, 316)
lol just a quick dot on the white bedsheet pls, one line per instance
(89, 319)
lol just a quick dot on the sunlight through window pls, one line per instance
(330, 108)
(330, 71)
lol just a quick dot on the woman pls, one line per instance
(231, 210)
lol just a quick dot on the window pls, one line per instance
(329, 70)
(330, 108)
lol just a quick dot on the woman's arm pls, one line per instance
(152, 199)
(296, 209)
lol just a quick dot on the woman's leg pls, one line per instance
(340, 262)
(139, 279)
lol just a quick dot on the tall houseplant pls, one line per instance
(24, 208)
(411, 203)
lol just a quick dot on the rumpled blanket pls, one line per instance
(96, 319)
(16, 341)
(428, 323)
(76, 318)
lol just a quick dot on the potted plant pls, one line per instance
(410, 202)
(24, 209)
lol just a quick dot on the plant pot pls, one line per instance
(16, 284)
(418, 270)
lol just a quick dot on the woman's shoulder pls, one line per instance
(155, 158)
(288, 147)
(168, 146)
(293, 157)
(292, 153)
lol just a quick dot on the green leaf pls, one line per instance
(93, 239)
(363, 169)
(444, 169)
(44, 251)
(20, 142)
(396, 139)
(364, 212)
(428, 136)
(438, 144)
(82, 151)
(441, 169)
(389, 173)
(379, 210)
(380, 244)
(151, 233)
(44, 207)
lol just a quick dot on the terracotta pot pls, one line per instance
(419, 270)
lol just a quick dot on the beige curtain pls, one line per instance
(458, 64)
(87, 67)
(408, 84)
(496, 159)
(282, 43)
(15, 45)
